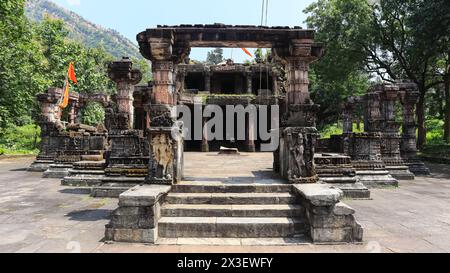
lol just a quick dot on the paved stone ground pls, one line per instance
(39, 215)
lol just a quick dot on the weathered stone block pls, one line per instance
(125, 235)
(143, 196)
(319, 194)
(332, 235)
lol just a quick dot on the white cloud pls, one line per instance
(74, 2)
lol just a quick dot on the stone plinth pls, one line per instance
(328, 219)
(365, 152)
(73, 146)
(136, 219)
(128, 155)
(338, 171)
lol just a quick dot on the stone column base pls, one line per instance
(40, 165)
(205, 148)
(250, 148)
(417, 167)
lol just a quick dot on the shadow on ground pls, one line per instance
(19, 170)
(77, 191)
(89, 215)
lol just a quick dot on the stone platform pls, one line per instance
(255, 204)
(39, 217)
(338, 171)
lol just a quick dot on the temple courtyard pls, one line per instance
(40, 215)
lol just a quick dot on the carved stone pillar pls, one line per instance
(73, 113)
(347, 117)
(390, 142)
(275, 88)
(208, 81)
(298, 132)
(164, 82)
(390, 132)
(164, 135)
(50, 124)
(125, 77)
(408, 147)
(127, 156)
(205, 143)
(249, 80)
(250, 138)
(365, 148)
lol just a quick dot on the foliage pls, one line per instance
(260, 56)
(20, 139)
(341, 25)
(435, 131)
(59, 51)
(390, 39)
(20, 62)
(93, 114)
(215, 56)
(336, 129)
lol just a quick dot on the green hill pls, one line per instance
(91, 35)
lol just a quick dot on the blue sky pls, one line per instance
(133, 16)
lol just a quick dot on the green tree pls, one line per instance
(59, 51)
(341, 25)
(215, 56)
(21, 61)
(389, 39)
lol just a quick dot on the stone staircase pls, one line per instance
(224, 210)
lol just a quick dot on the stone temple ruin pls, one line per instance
(137, 155)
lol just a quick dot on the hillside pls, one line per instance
(89, 34)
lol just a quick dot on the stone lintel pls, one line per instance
(143, 196)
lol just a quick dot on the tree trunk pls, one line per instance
(447, 101)
(447, 112)
(420, 112)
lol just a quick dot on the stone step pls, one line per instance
(231, 198)
(89, 165)
(183, 210)
(81, 181)
(123, 179)
(108, 192)
(230, 227)
(198, 187)
(86, 172)
(331, 180)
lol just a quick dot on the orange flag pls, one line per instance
(71, 73)
(247, 52)
(65, 101)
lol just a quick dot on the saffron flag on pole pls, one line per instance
(71, 74)
(65, 101)
(247, 52)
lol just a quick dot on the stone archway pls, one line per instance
(168, 46)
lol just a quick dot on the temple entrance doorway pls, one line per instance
(246, 168)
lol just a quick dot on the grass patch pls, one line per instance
(336, 129)
(20, 140)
